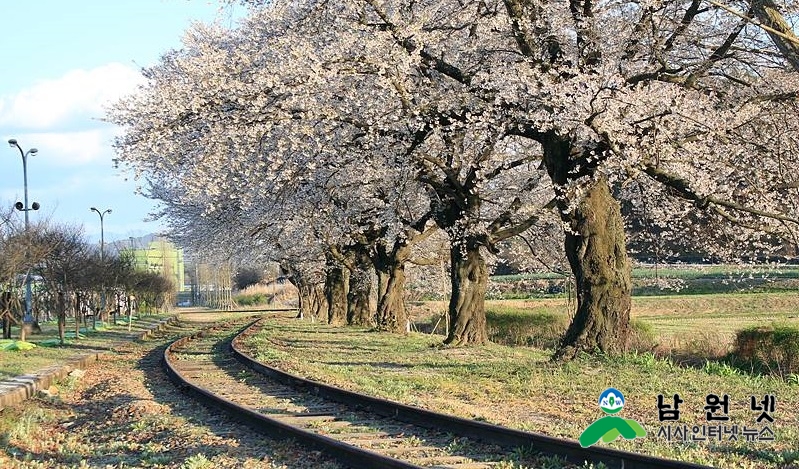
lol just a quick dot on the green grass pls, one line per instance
(253, 299)
(48, 351)
(703, 325)
(23, 426)
(685, 321)
(522, 388)
(517, 326)
(772, 348)
(686, 272)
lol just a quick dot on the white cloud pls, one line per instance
(59, 149)
(77, 94)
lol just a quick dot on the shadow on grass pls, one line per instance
(216, 421)
(308, 399)
(107, 430)
(386, 365)
(760, 455)
(727, 365)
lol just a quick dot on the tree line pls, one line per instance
(338, 138)
(69, 278)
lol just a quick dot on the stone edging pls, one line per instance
(15, 390)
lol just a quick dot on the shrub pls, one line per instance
(703, 344)
(254, 299)
(773, 347)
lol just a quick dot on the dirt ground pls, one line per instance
(124, 412)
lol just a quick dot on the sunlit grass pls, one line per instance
(522, 388)
(690, 323)
(15, 363)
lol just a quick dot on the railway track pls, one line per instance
(362, 431)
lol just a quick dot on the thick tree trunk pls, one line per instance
(304, 299)
(310, 296)
(318, 301)
(383, 277)
(597, 252)
(359, 312)
(392, 316)
(304, 291)
(391, 313)
(336, 294)
(469, 276)
(597, 255)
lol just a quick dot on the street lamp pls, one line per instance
(25, 208)
(102, 249)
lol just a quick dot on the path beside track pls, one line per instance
(123, 412)
(19, 388)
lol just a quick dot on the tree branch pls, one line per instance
(682, 187)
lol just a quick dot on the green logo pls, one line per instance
(608, 428)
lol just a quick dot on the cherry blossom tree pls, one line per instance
(501, 111)
(680, 95)
(280, 158)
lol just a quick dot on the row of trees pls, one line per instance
(69, 277)
(337, 137)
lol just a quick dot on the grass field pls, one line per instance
(692, 324)
(661, 280)
(520, 387)
(15, 363)
(686, 271)
(683, 320)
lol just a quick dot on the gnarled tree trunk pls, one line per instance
(598, 258)
(359, 312)
(597, 252)
(313, 303)
(336, 294)
(469, 276)
(392, 316)
(310, 294)
(391, 313)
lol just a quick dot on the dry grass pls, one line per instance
(259, 295)
(703, 325)
(515, 386)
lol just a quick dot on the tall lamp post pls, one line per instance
(25, 208)
(102, 249)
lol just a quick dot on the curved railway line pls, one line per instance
(362, 431)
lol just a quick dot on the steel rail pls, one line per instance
(347, 454)
(357, 457)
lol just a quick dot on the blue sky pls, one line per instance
(60, 63)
